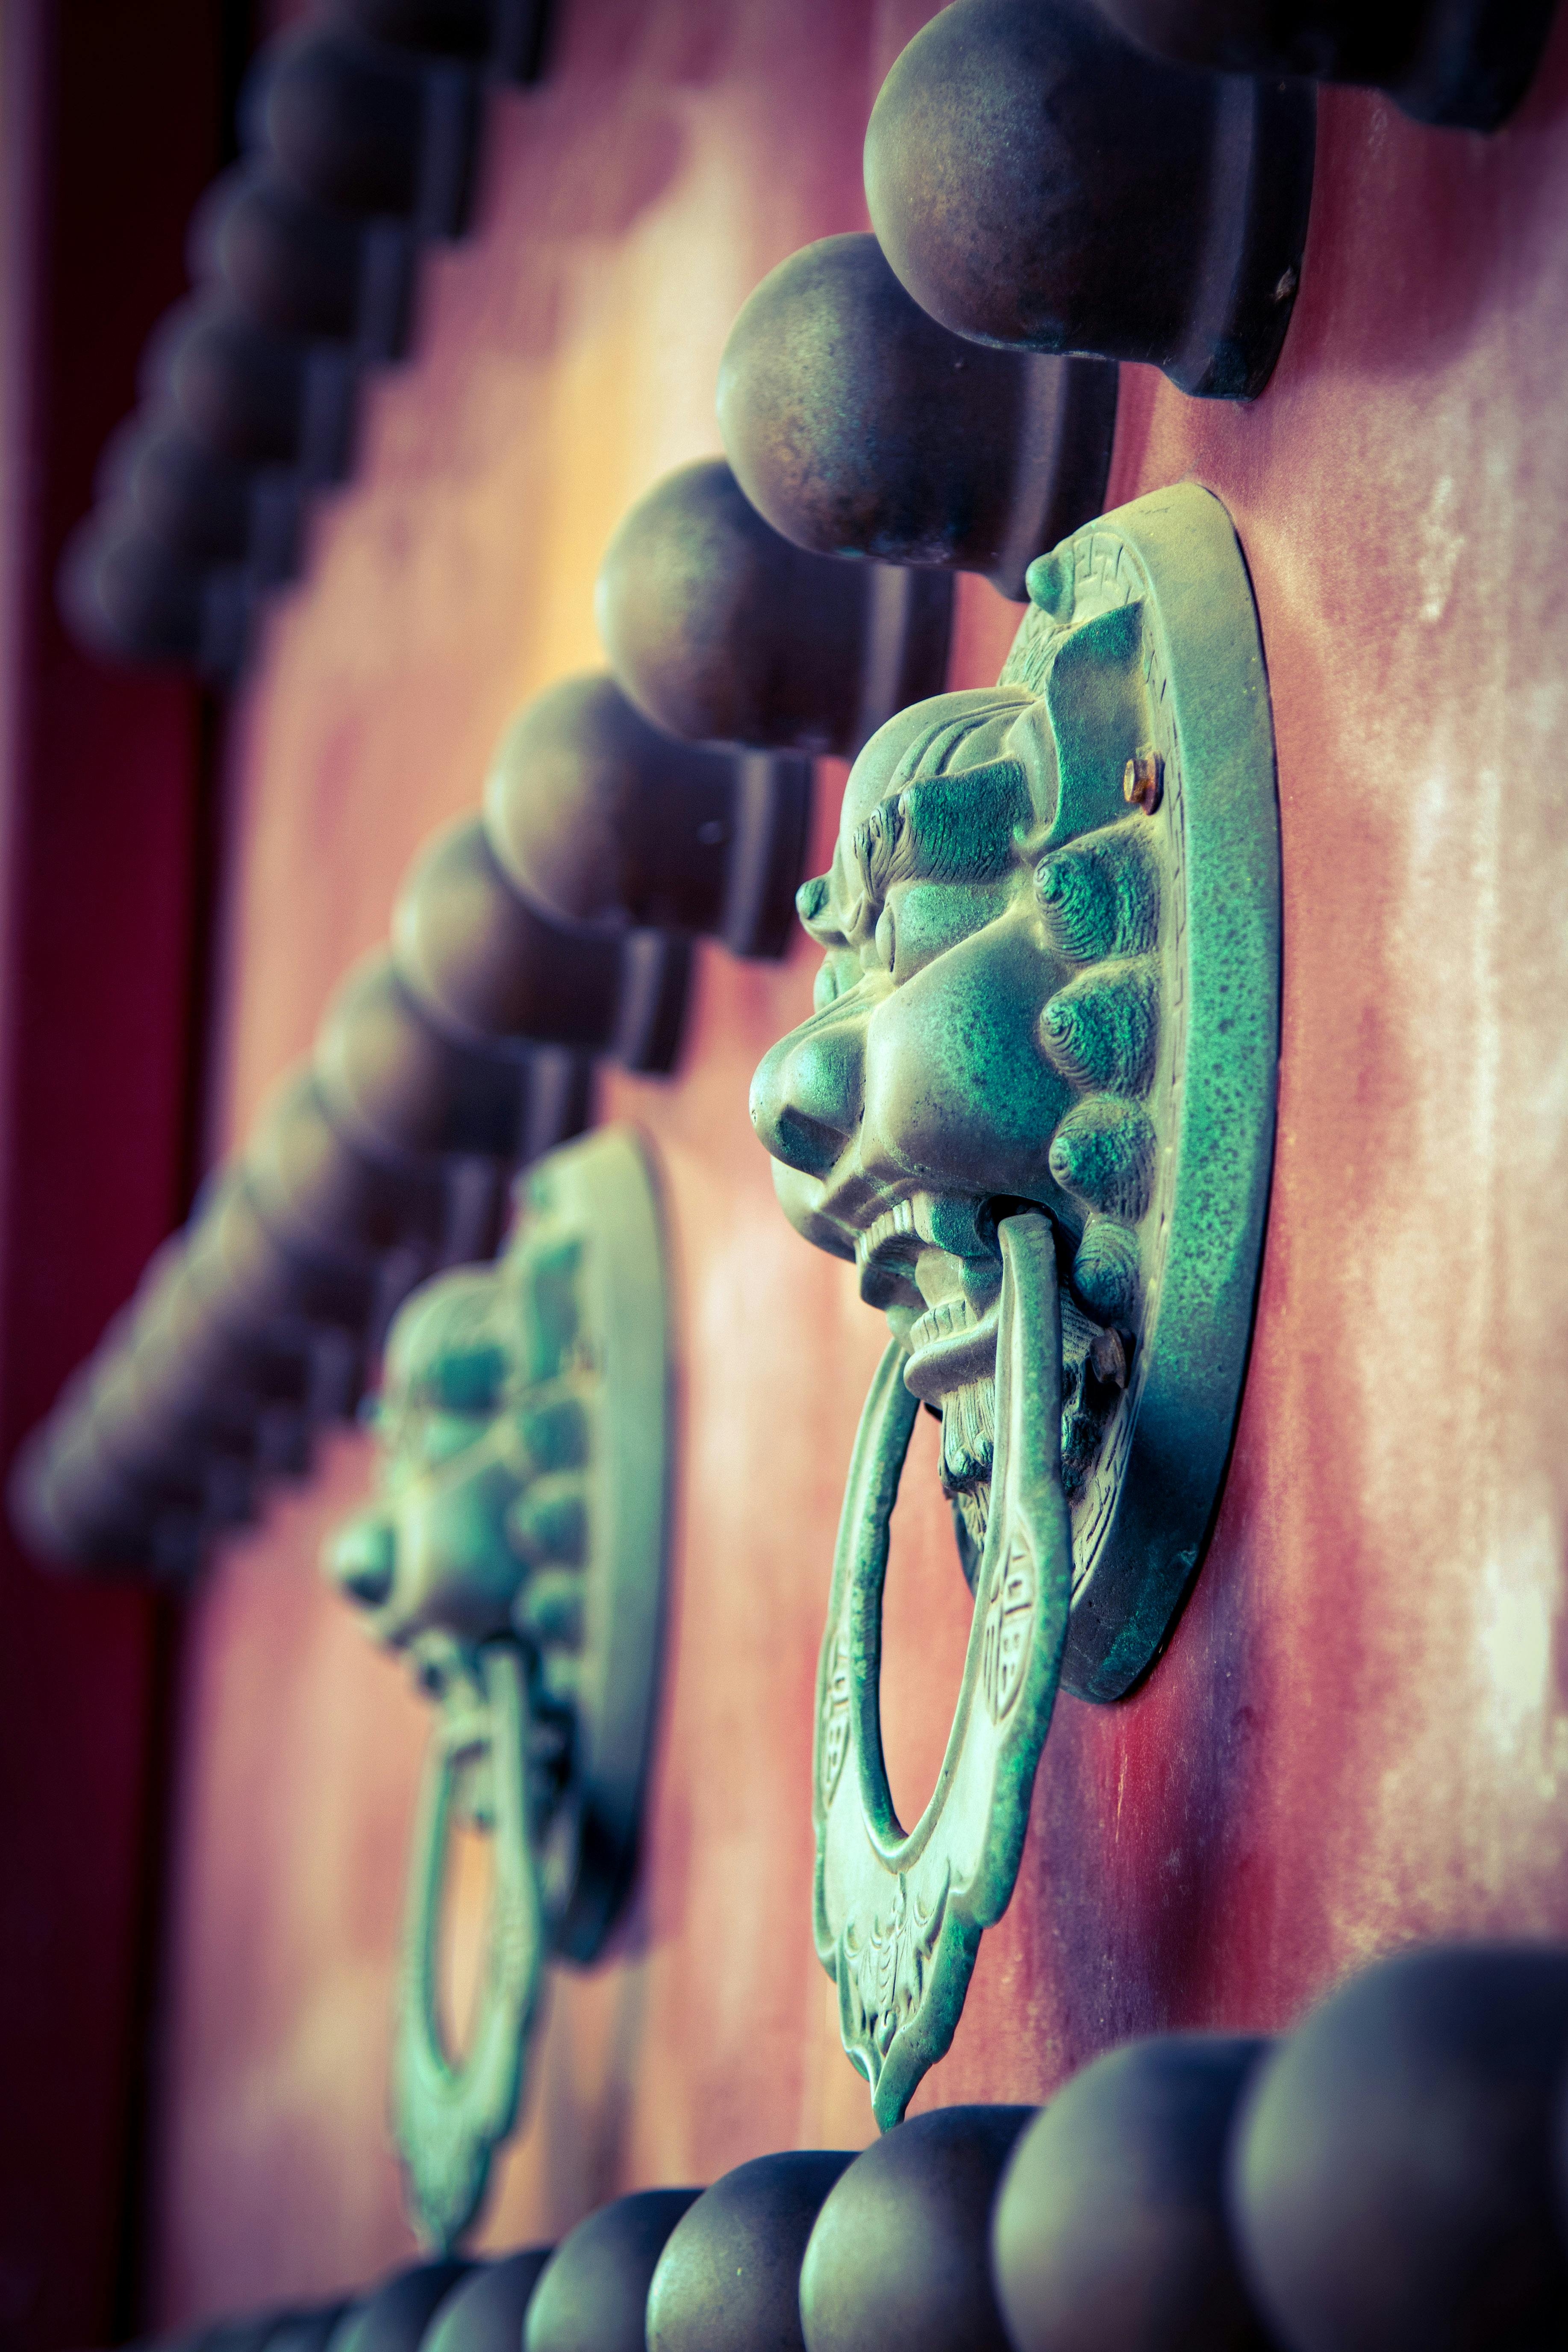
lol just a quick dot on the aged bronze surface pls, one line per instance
(1394, 2181)
(593, 2295)
(729, 2277)
(515, 1554)
(1110, 2232)
(859, 426)
(1035, 1107)
(1038, 180)
(899, 2252)
(1461, 63)
(605, 822)
(723, 630)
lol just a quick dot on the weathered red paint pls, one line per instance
(1359, 1734)
(110, 127)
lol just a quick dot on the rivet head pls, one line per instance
(1049, 584)
(1144, 781)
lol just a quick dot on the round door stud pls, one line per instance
(609, 823)
(594, 2291)
(1110, 2230)
(1392, 2180)
(899, 2251)
(723, 630)
(1040, 182)
(859, 426)
(729, 2277)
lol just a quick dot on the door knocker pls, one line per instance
(1036, 1106)
(449, 2114)
(516, 1552)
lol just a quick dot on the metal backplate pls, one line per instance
(1187, 724)
(594, 1207)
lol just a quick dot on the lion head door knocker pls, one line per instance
(516, 1552)
(1036, 1106)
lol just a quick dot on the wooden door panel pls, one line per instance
(1358, 1733)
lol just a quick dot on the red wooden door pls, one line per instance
(1360, 1733)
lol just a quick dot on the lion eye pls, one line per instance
(443, 1435)
(840, 975)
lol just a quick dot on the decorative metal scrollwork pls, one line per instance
(448, 2114)
(898, 1913)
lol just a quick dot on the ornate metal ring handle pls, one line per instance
(447, 2115)
(1051, 936)
(898, 1916)
(514, 1555)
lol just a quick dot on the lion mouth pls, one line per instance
(952, 1367)
(912, 1233)
(938, 1252)
(951, 1344)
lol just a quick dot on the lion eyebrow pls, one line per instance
(947, 828)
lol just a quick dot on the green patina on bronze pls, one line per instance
(1035, 1105)
(516, 1553)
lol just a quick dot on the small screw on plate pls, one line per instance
(1144, 781)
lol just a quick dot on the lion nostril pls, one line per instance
(804, 1143)
(362, 1561)
(808, 1095)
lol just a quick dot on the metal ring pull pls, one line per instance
(447, 2115)
(898, 1916)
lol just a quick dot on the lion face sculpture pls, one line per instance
(478, 1530)
(515, 1553)
(986, 1027)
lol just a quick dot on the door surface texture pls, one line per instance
(1358, 1735)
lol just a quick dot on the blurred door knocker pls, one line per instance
(516, 1551)
(1036, 1106)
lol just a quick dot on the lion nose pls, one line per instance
(808, 1094)
(361, 1557)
